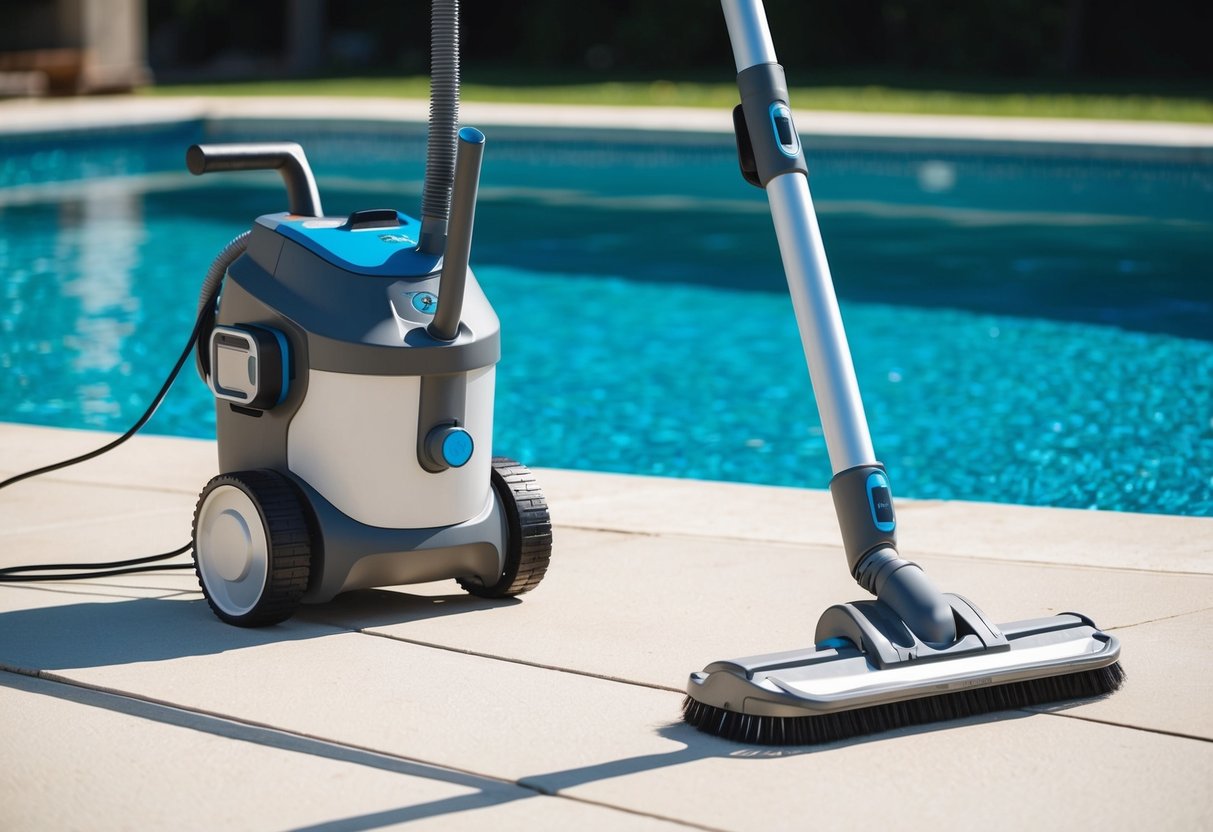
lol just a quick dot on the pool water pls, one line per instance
(1034, 329)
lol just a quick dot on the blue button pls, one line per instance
(425, 302)
(457, 447)
(880, 500)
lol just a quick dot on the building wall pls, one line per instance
(80, 45)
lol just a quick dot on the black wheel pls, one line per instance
(529, 541)
(252, 547)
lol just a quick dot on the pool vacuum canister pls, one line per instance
(914, 654)
(352, 361)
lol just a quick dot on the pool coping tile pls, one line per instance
(1105, 138)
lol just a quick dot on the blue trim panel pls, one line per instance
(284, 349)
(381, 252)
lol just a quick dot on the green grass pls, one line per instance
(1180, 105)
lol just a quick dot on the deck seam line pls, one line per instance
(919, 553)
(1156, 620)
(1113, 724)
(524, 662)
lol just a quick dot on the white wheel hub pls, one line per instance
(232, 550)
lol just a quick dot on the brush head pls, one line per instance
(868, 673)
(841, 725)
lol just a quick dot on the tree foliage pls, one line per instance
(1015, 39)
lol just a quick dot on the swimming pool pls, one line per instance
(1033, 328)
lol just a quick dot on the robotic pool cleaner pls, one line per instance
(352, 362)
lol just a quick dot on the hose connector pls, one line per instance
(906, 589)
(445, 325)
(863, 500)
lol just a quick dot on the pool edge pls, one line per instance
(1169, 141)
(646, 505)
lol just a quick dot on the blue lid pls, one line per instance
(388, 251)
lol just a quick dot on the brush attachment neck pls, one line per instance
(863, 500)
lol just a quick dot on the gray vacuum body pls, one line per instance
(353, 361)
(365, 385)
(353, 369)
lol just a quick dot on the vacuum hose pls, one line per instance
(210, 294)
(444, 118)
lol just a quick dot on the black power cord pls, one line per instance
(17, 574)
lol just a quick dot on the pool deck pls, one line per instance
(125, 704)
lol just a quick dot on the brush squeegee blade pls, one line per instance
(864, 686)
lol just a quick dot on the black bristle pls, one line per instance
(813, 730)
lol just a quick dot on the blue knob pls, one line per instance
(446, 446)
(457, 447)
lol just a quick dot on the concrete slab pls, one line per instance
(1169, 687)
(1119, 540)
(118, 763)
(597, 610)
(1009, 773)
(621, 745)
(651, 505)
(142, 464)
(47, 521)
(493, 717)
